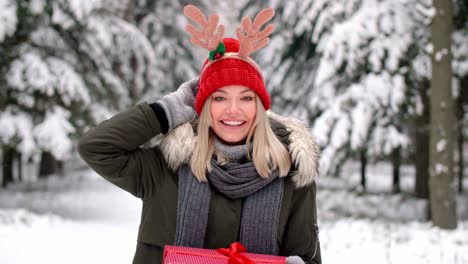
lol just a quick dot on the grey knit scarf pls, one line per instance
(260, 211)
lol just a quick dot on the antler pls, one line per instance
(205, 37)
(254, 39)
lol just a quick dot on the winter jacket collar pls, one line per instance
(177, 147)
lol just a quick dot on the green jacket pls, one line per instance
(113, 149)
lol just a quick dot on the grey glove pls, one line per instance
(294, 260)
(180, 105)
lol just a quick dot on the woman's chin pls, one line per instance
(233, 139)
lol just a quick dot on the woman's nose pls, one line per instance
(233, 107)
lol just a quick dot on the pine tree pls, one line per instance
(337, 65)
(67, 65)
(358, 71)
(163, 23)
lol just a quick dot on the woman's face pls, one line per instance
(233, 110)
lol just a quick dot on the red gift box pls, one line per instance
(236, 254)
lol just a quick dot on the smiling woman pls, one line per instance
(223, 170)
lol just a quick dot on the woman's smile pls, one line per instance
(233, 123)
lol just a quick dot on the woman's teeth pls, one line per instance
(233, 123)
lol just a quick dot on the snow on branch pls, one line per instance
(30, 74)
(17, 129)
(8, 19)
(53, 134)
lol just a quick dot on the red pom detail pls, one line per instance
(231, 44)
(218, 55)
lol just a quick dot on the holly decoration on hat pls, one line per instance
(218, 52)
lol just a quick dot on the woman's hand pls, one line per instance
(180, 105)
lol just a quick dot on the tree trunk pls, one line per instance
(59, 170)
(8, 156)
(460, 158)
(129, 11)
(49, 165)
(363, 169)
(421, 144)
(20, 167)
(441, 180)
(461, 101)
(396, 162)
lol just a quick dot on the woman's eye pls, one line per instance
(218, 98)
(247, 98)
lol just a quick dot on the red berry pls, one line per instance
(218, 55)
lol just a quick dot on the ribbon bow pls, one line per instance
(233, 252)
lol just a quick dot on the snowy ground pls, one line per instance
(83, 219)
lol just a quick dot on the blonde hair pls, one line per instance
(268, 153)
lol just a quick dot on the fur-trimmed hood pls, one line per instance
(178, 145)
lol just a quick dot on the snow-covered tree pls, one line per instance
(163, 23)
(336, 64)
(67, 65)
(354, 69)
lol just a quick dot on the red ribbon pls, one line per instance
(233, 252)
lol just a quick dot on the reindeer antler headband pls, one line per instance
(211, 34)
(229, 62)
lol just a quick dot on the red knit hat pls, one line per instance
(229, 62)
